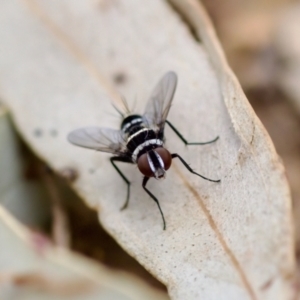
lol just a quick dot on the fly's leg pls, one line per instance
(174, 155)
(127, 160)
(184, 140)
(145, 180)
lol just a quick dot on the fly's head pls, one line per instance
(155, 163)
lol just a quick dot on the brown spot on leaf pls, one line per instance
(70, 174)
(267, 285)
(119, 78)
(38, 132)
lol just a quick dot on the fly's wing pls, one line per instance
(159, 104)
(101, 139)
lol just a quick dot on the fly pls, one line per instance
(141, 139)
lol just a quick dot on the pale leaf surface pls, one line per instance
(232, 240)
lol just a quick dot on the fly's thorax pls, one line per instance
(140, 139)
(155, 162)
(130, 122)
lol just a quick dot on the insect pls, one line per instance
(140, 139)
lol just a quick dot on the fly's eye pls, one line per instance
(157, 165)
(144, 166)
(165, 156)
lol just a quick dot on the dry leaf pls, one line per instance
(63, 61)
(31, 268)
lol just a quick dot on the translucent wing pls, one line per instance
(160, 101)
(101, 139)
